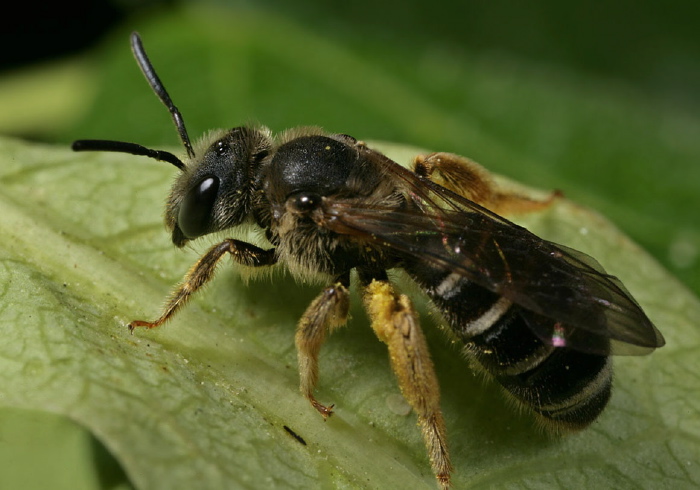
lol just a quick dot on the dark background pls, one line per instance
(653, 46)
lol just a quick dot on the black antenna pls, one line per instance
(123, 147)
(159, 89)
(133, 148)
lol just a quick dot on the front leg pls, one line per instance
(395, 322)
(201, 272)
(469, 179)
(327, 311)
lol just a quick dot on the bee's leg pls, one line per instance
(469, 179)
(201, 272)
(396, 323)
(328, 310)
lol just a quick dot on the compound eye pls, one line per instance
(195, 215)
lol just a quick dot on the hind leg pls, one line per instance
(469, 179)
(396, 324)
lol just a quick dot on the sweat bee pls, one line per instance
(540, 318)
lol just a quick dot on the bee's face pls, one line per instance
(215, 190)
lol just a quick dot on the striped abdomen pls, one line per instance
(565, 386)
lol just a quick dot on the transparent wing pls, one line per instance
(445, 230)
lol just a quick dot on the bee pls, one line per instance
(542, 319)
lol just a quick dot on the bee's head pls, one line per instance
(215, 187)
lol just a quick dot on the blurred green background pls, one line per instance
(598, 99)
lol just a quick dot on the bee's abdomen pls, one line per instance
(566, 387)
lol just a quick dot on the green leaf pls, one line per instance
(204, 401)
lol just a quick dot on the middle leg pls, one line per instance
(327, 311)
